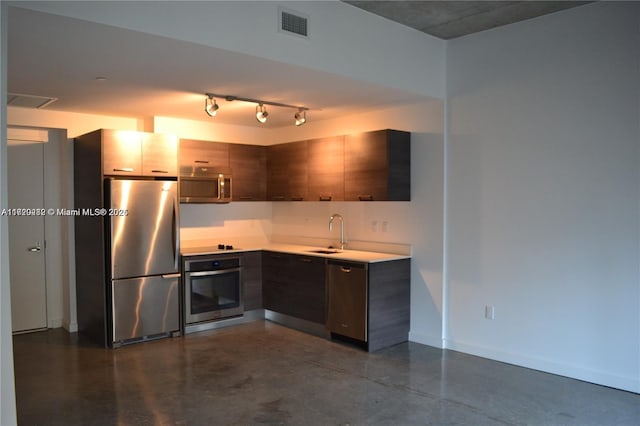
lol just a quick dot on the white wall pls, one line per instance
(343, 39)
(543, 194)
(7, 388)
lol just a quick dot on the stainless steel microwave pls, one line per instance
(204, 185)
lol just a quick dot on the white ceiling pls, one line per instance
(147, 75)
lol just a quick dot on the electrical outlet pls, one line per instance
(490, 312)
(374, 226)
(385, 226)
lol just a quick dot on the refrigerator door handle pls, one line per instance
(176, 239)
(171, 276)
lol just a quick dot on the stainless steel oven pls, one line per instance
(212, 288)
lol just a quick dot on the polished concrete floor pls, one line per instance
(263, 373)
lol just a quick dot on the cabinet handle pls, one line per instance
(325, 198)
(124, 169)
(246, 198)
(365, 197)
(346, 269)
(278, 198)
(201, 161)
(297, 198)
(159, 171)
(305, 260)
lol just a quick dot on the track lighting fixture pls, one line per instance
(261, 113)
(301, 117)
(211, 107)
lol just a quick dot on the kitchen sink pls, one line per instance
(324, 251)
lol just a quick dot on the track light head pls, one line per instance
(300, 117)
(210, 106)
(261, 113)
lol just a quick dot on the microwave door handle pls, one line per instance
(220, 188)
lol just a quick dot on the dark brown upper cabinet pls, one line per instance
(287, 172)
(377, 166)
(249, 170)
(197, 153)
(326, 169)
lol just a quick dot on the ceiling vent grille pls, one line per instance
(29, 101)
(294, 22)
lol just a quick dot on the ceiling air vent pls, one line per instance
(29, 101)
(294, 23)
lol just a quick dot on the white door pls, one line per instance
(26, 236)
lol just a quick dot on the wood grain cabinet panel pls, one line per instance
(287, 172)
(252, 280)
(326, 169)
(377, 166)
(121, 152)
(159, 155)
(249, 170)
(294, 285)
(198, 153)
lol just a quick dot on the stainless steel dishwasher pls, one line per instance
(347, 307)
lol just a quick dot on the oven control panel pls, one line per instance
(211, 264)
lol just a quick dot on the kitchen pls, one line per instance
(459, 256)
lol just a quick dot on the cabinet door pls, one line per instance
(377, 166)
(326, 169)
(121, 153)
(365, 166)
(308, 288)
(249, 169)
(252, 280)
(287, 172)
(159, 155)
(203, 154)
(276, 291)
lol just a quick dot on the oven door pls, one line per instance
(211, 295)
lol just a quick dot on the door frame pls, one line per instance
(59, 233)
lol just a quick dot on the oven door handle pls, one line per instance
(209, 273)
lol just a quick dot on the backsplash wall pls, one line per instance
(364, 222)
(239, 223)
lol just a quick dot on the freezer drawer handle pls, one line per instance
(170, 276)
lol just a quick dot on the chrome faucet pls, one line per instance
(342, 241)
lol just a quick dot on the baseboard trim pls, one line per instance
(54, 322)
(71, 327)
(427, 339)
(626, 383)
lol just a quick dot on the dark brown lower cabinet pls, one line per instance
(252, 280)
(294, 285)
(389, 295)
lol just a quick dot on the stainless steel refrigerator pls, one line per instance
(143, 243)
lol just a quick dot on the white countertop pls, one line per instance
(351, 255)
